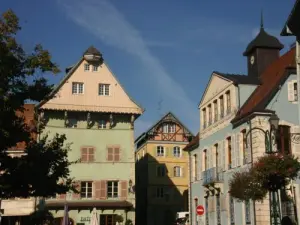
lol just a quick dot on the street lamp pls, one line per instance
(271, 148)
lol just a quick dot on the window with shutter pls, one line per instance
(113, 153)
(112, 189)
(291, 92)
(87, 154)
(284, 139)
(237, 150)
(103, 189)
(84, 154)
(86, 189)
(97, 185)
(124, 189)
(233, 152)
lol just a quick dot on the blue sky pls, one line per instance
(162, 51)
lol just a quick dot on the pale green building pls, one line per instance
(92, 108)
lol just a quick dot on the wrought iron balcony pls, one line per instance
(212, 176)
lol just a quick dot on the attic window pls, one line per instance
(169, 128)
(104, 89)
(95, 68)
(86, 67)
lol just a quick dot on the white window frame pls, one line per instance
(177, 171)
(77, 88)
(177, 151)
(104, 89)
(113, 185)
(102, 124)
(169, 128)
(88, 189)
(160, 150)
(86, 67)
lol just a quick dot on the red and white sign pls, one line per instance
(200, 210)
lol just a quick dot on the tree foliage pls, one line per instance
(270, 173)
(22, 77)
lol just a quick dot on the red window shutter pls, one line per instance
(110, 154)
(91, 154)
(84, 154)
(117, 154)
(97, 185)
(77, 187)
(124, 189)
(102, 189)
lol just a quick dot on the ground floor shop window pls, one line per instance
(248, 212)
(107, 219)
(218, 206)
(206, 212)
(231, 208)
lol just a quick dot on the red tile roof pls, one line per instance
(28, 114)
(271, 79)
(194, 143)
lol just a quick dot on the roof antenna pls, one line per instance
(262, 20)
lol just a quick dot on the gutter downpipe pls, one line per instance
(190, 190)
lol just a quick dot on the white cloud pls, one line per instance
(103, 20)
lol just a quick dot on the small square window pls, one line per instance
(86, 67)
(95, 68)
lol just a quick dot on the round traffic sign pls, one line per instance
(200, 210)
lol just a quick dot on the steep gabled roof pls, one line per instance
(168, 117)
(271, 80)
(236, 79)
(193, 144)
(239, 78)
(91, 50)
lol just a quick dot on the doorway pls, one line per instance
(108, 219)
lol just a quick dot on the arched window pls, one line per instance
(160, 151)
(176, 151)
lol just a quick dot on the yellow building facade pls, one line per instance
(162, 175)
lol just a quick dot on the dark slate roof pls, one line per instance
(271, 80)
(293, 21)
(193, 144)
(93, 51)
(239, 78)
(263, 40)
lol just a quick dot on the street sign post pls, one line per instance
(200, 210)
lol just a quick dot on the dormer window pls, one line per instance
(86, 67)
(104, 89)
(77, 88)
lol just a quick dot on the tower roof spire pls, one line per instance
(262, 20)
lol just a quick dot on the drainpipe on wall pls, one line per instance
(251, 153)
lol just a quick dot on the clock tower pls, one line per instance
(261, 52)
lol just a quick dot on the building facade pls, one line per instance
(230, 106)
(162, 172)
(93, 110)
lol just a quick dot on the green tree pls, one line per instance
(22, 77)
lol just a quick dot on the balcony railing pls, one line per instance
(213, 175)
